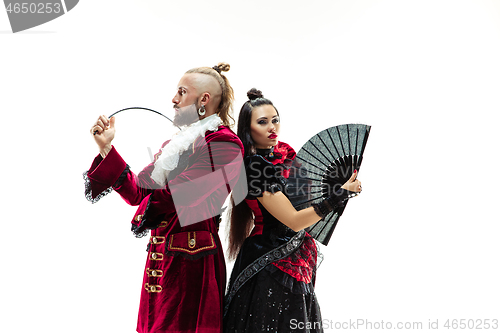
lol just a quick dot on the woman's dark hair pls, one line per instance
(255, 99)
(241, 215)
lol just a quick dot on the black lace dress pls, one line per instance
(271, 287)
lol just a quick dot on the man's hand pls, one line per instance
(104, 132)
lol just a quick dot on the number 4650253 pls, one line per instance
(34, 8)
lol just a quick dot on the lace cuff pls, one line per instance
(88, 186)
(334, 201)
(88, 190)
(142, 223)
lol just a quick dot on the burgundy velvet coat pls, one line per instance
(185, 274)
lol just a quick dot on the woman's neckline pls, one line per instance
(266, 152)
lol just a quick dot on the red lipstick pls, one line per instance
(272, 136)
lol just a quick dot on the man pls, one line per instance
(179, 196)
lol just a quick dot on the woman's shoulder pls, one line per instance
(261, 176)
(256, 166)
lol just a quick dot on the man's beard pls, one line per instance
(186, 115)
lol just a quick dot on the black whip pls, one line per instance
(139, 108)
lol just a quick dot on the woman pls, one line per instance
(272, 284)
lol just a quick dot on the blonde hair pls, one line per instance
(227, 96)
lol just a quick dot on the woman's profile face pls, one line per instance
(264, 126)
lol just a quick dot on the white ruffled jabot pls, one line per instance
(180, 142)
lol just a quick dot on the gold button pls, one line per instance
(153, 288)
(155, 240)
(192, 242)
(156, 256)
(138, 218)
(154, 272)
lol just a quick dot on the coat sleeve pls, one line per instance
(112, 172)
(103, 174)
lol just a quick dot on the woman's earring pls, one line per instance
(201, 110)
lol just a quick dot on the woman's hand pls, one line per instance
(280, 207)
(104, 132)
(353, 184)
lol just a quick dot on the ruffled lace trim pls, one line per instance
(122, 177)
(309, 265)
(169, 157)
(289, 282)
(88, 185)
(139, 234)
(88, 190)
(301, 264)
(142, 229)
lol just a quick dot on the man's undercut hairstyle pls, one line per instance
(225, 108)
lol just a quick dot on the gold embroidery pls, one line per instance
(170, 247)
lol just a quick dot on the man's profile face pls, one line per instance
(186, 101)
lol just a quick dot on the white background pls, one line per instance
(419, 244)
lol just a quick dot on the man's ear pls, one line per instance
(205, 98)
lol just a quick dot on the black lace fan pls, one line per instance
(323, 164)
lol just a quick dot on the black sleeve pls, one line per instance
(262, 176)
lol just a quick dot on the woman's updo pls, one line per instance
(254, 94)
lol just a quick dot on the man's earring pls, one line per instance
(202, 111)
